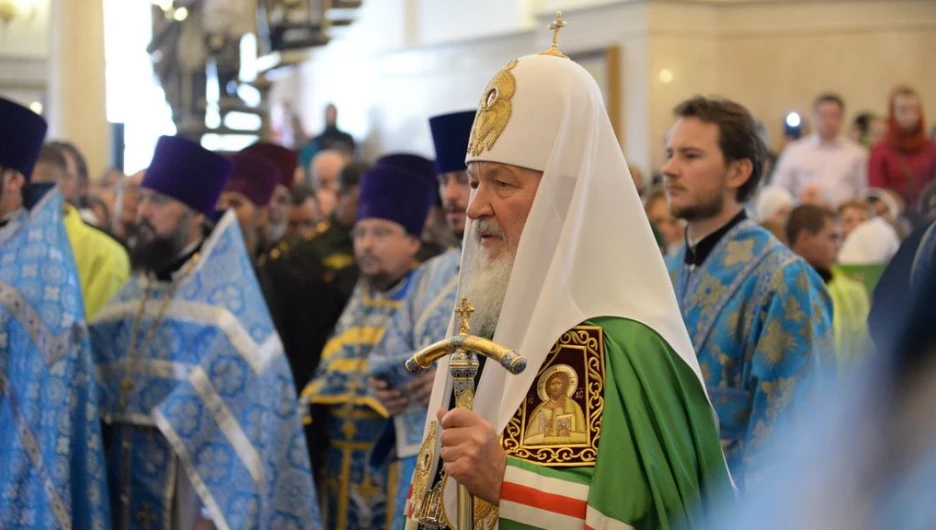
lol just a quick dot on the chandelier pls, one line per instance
(11, 10)
(170, 11)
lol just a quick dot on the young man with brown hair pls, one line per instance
(759, 317)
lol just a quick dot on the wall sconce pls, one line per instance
(11, 10)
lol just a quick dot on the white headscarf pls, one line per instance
(873, 242)
(586, 250)
(770, 200)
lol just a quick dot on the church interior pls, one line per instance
(676, 258)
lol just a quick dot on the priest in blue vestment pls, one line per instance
(760, 317)
(425, 315)
(52, 471)
(391, 214)
(197, 392)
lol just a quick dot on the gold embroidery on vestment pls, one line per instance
(559, 422)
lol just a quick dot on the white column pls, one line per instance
(77, 104)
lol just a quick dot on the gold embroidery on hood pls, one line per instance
(493, 111)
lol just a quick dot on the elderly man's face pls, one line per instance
(326, 166)
(500, 203)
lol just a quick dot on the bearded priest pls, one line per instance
(610, 425)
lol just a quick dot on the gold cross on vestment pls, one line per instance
(464, 310)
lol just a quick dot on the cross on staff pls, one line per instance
(464, 310)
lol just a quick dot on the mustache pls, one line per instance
(144, 224)
(487, 227)
(451, 206)
(367, 256)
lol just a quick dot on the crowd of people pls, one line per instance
(219, 341)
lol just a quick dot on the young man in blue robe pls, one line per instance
(759, 316)
(201, 405)
(425, 315)
(52, 473)
(391, 214)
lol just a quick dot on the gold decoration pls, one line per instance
(432, 509)
(464, 310)
(493, 111)
(555, 26)
(557, 440)
(423, 471)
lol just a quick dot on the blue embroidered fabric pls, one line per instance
(212, 391)
(52, 473)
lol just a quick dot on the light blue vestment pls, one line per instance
(760, 319)
(52, 472)
(211, 390)
(421, 321)
(357, 495)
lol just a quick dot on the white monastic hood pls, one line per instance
(587, 249)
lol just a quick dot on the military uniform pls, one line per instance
(331, 249)
(304, 307)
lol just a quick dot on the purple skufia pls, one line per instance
(285, 159)
(450, 133)
(413, 163)
(187, 172)
(254, 178)
(398, 195)
(22, 133)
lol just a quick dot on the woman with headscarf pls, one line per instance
(905, 160)
(773, 204)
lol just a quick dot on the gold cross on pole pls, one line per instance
(464, 310)
(556, 26)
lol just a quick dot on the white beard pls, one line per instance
(484, 284)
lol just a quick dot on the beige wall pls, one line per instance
(777, 60)
(57, 58)
(27, 37)
(774, 57)
(23, 53)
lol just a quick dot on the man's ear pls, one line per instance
(13, 180)
(416, 244)
(739, 172)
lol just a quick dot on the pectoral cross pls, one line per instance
(125, 387)
(464, 310)
(146, 517)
